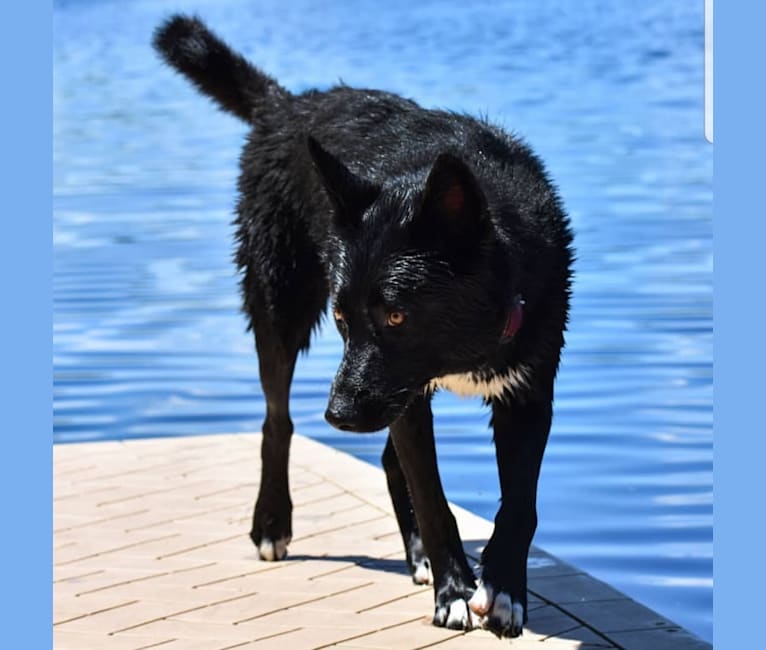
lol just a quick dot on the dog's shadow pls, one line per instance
(471, 547)
(388, 565)
(398, 566)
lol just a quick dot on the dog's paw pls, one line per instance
(418, 562)
(271, 533)
(499, 613)
(273, 550)
(456, 615)
(421, 572)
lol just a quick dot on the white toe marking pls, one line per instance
(482, 599)
(458, 613)
(422, 574)
(475, 620)
(272, 551)
(266, 550)
(461, 617)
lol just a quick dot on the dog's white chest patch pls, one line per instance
(469, 384)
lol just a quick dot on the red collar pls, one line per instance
(515, 318)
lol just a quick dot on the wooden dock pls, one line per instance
(151, 551)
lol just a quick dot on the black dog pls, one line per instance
(446, 254)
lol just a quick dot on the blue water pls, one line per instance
(148, 339)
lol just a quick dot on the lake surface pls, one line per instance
(148, 338)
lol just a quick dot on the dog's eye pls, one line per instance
(339, 315)
(395, 318)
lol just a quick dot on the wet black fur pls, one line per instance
(365, 199)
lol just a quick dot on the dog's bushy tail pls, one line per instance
(213, 67)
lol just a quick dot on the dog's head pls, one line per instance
(412, 266)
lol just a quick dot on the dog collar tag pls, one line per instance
(515, 318)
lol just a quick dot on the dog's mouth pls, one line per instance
(358, 423)
(355, 417)
(363, 427)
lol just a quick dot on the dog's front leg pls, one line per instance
(521, 431)
(417, 561)
(413, 438)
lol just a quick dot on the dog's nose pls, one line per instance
(340, 418)
(346, 409)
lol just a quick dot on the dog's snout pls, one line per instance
(359, 411)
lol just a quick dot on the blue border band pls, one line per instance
(739, 430)
(25, 360)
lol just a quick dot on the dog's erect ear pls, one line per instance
(349, 194)
(452, 197)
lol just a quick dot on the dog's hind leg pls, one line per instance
(417, 561)
(284, 290)
(413, 438)
(279, 336)
(272, 516)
